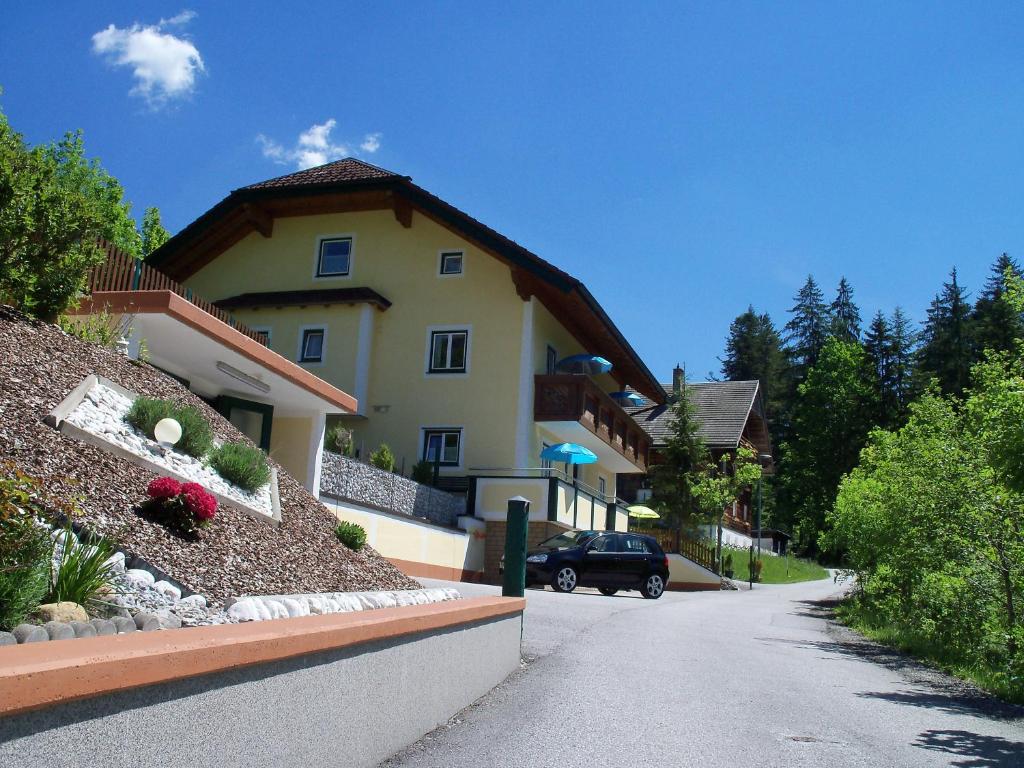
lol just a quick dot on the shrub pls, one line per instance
(423, 472)
(383, 458)
(196, 433)
(80, 572)
(351, 535)
(758, 565)
(100, 328)
(183, 507)
(339, 440)
(727, 567)
(25, 549)
(242, 464)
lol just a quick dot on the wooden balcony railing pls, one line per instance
(122, 272)
(699, 551)
(576, 397)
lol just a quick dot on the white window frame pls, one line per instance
(302, 338)
(351, 256)
(424, 430)
(428, 355)
(440, 262)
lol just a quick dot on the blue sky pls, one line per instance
(684, 160)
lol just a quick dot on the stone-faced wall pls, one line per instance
(354, 481)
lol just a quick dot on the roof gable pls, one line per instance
(722, 409)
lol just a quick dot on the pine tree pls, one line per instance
(947, 351)
(754, 350)
(808, 329)
(153, 233)
(901, 361)
(683, 458)
(995, 325)
(878, 349)
(844, 313)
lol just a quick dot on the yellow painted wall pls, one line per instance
(289, 444)
(341, 322)
(402, 265)
(492, 496)
(414, 542)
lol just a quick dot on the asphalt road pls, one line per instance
(737, 679)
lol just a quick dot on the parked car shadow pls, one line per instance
(975, 749)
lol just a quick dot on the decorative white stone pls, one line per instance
(167, 589)
(316, 606)
(116, 561)
(294, 607)
(197, 601)
(140, 576)
(246, 610)
(61, 536)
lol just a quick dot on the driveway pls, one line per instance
(716, 679)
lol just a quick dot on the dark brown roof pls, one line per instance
(340, 171)
(302, 298)
(722, 409)
(354, 185)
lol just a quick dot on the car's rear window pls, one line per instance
(637, 544)
(567, 540)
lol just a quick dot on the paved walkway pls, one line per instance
(737, 679)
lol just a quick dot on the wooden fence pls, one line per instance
(700, 551)
(122, 272)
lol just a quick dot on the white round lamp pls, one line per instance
(167, 432)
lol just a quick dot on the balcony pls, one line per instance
(576, 409)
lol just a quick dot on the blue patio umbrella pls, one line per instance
(627, 398)
(569, 453)
(583, 364)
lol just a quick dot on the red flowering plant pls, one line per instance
(186, 507)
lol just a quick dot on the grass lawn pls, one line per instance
(777, 570)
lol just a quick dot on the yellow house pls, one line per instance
(446, 332)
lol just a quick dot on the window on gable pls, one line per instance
(451, 263)
(311, 349)
(335, 257)
(448, 351)
(262, 336)
(442, 446)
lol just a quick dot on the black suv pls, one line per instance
(608, 561)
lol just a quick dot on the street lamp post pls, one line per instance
(763, 459)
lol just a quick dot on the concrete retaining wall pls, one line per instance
(348, 706)
(351, 480)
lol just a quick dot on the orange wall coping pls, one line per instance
(184, 311)
(37, 675)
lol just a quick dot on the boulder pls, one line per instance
(147, 622)
(105, 626)
(169, 620)
(244, 610)
(83, 629)
(30, 633)
(124, 624)
(6, 638)
(294, 607)
(140, 576)
(195, 601)
(167, 589)
(63, 612)
(116, 561)
(58, 630)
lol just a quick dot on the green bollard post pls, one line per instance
(513, 583)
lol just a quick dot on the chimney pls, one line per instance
(678, 380)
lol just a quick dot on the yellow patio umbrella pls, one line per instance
(641, 512)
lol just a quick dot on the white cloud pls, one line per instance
(315, 147)
(371, 143)
(164, 65)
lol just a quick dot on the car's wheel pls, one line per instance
(607, 591)
(565, 579)
(652, 587)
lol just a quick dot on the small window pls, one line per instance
(448, 351)
(602, 486)
(442, 446)
(312, 348)
(451, 263)
(552, 360)
(335, 257)
(262, 336)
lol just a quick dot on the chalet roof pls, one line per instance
(340, 171)
(322, 296)
(351, 184)
(722, 410)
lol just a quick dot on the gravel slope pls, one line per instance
(40, 365)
